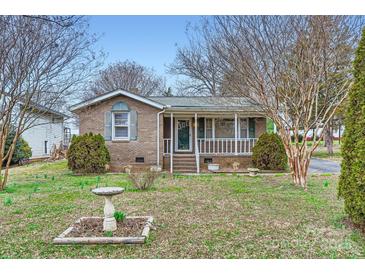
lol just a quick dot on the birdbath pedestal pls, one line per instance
(109, 224)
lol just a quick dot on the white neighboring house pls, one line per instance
(49, 129)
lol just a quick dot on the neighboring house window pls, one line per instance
(120, 125)
(45, 147)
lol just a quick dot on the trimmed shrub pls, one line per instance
(22, 149)
(352, 180)
(88, 154)
(269, 153)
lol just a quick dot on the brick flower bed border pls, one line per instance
(62, 239)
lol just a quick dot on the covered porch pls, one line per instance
(192, 139)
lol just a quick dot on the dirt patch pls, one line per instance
(94, 228)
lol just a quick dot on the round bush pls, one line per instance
(88, 154)
(22, 149)
(269, 153)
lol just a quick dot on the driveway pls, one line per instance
(324, 166)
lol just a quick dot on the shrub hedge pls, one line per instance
(88, 154)
(22, 149)
(269, 153)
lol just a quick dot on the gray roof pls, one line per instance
(205, 102)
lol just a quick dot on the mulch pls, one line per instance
(94, 228)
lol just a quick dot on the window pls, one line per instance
(121, 126)
(243, 133)
(224, 128)
(45, 147)
(209, 128)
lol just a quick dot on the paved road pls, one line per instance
(324, 166)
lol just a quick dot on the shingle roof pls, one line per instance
(180, 103)
(204, 102)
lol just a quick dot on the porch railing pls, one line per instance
(219, 146)
(226, 146)
(166, 146)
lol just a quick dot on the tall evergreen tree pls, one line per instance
(352, 180)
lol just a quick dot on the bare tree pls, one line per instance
(197, 63)
(284, 64)
(297, 69)
(127, 75)
(43, 60)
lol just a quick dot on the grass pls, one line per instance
(195, 216)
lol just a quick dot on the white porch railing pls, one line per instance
(226, 146)
(219, 146)
(166, 146)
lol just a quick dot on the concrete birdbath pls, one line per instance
(109, 224)
(92, 230)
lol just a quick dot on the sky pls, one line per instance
(149, 40)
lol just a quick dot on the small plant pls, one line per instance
(326, 183)
(143, 180)
(8, 201)
(52, 178)
(82, 184)
(45, 176)
(108, 233)
(9, 189)
(119, 216)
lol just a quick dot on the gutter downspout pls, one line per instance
(158, 137)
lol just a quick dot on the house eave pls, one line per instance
(109, 95)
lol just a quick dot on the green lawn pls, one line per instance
(195, 216)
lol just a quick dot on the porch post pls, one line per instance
(196, 144)
(171, 141)
(235, 134)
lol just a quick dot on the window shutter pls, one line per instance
(201, 128)
(133, 125)
(108, 126)
(251, 129)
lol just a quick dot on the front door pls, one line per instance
(183, 135)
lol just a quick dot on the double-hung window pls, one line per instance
(121, 126)
(243, 128)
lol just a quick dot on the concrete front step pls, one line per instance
(184, 167)
(185, 170)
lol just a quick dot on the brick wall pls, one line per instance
(260, 126)
(125, 152)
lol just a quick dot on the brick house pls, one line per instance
(177, 134)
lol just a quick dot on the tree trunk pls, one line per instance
(4, 179)
(328, 139)
(299, 164)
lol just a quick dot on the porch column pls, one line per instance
(171, 141)
(235, 134)
(196, 144)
